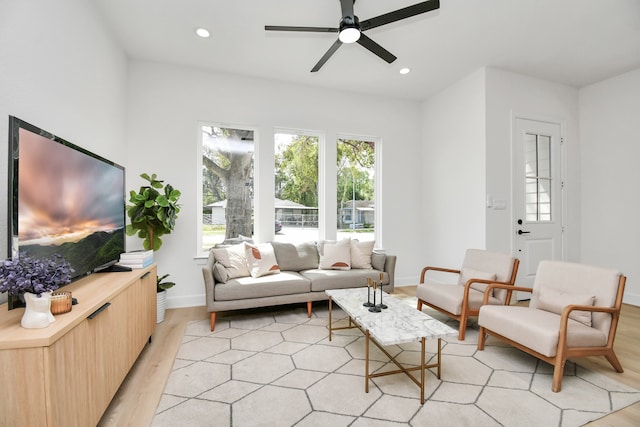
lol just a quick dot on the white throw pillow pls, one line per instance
(335, 255)
(361, 254)
(233, 259)
(555, 301)
(261, 259)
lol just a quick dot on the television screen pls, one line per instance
(66, 201)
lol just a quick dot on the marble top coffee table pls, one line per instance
(398, 323)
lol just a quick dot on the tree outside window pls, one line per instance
(356, 184)
(227, 183)
(296, 186)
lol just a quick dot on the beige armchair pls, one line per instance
(573, 312)
(462, 299)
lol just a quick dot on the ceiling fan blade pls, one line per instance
(399, 14)
(305, 29)
(327, 55)
(375, 48)
(347, 7)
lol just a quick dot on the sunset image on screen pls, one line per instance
(63, 194)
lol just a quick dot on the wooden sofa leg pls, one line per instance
(419, 305)
(213, 320)
(309, 308)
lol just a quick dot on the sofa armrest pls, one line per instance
(209, 280)
(390, 269)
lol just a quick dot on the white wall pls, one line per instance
(453, 172)
(610, 151)
(510, 94)
(61, 71)
(166, 102)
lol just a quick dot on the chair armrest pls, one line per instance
(564, 319)
(502, 285)
(445, 270)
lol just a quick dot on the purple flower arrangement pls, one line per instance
(25, 273)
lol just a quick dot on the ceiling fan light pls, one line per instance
(349, 35)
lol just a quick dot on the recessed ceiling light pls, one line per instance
(404, 70)
(202, 32)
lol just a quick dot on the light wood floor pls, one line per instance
(135, 403)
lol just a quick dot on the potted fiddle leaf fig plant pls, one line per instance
(153, 212)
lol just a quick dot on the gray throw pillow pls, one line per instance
(296, 256)
(377, 260)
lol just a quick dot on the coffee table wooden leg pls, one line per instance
(330, 323)
(439, 356)
(366, 364)
(422, 366)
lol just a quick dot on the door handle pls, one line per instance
(523, 232)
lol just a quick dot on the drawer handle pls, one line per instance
(145, 274)
(98, 311)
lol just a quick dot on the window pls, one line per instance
(537, 159)
(296, 187)
(227, 183)
(356, 167)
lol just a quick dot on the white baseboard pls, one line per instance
(186, 301)
(633, 299)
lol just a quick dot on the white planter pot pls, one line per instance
(161, 305)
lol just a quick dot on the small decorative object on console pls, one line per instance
(61, 302)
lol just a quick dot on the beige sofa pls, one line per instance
(300, 279)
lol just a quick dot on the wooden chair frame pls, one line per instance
(466, 310)
(563, 352)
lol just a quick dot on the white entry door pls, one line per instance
(538, 196)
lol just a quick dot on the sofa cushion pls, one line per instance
(233, 259)
(296, 256)
(285, 283)
(321, 280)
(555, 301)
(335, 255)
(261, 259)
(361, 254)
(470, 273)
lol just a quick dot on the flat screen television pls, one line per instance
(65, 201)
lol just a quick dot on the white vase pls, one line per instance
(161, 298)
(37, 313)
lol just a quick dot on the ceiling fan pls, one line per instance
(351, 29)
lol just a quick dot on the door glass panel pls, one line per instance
(537, 158)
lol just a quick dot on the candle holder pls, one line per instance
(369, 303)
(381, 305)
(375, 308)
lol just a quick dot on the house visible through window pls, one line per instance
(296, 187)
(356, 188)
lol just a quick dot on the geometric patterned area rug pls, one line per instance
(276, 367)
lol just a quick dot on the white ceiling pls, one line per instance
(574, 42)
